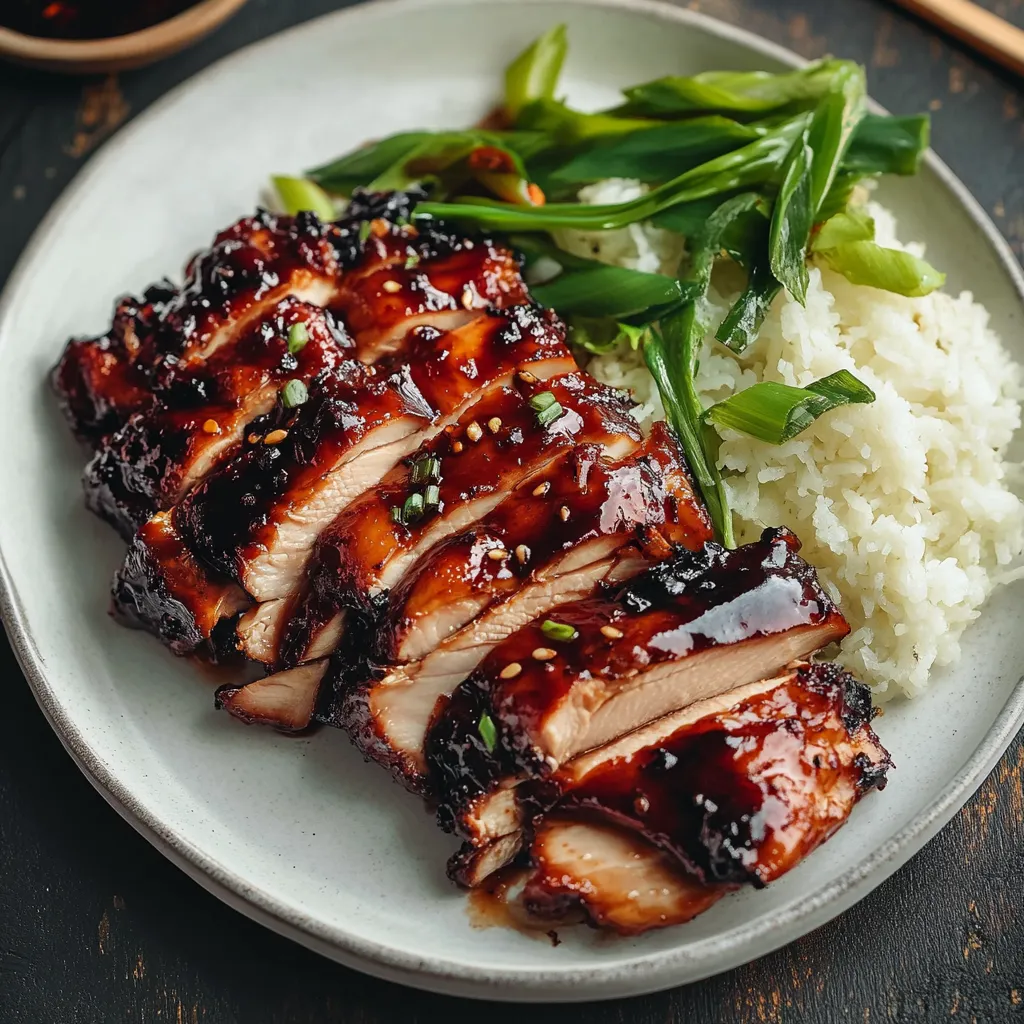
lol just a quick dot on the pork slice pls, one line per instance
(369, 547)
(373, 263)
(161, 587)
(683, 631)
(460, 601)
(283, 492)
(198, 418)
(619, 881)
(507, 809)
(250, 267)
(444, 283)
(736, 790)
(284, 700)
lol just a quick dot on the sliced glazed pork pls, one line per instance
(698, 804)
(369, 547)
(201, 416)
(682, 632)
(256, 519)
(379, 272)
(581, 521)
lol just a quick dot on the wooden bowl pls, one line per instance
(118, 53)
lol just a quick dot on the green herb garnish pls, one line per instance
(298, 337)
(562, 632)
(488, 732)
(426, 469)
(412, 508)
(431, 496)
(294, 394)
(757, 168)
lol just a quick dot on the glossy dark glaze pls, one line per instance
(230, 518)
(474, 276)
(351, 555)
(701, 599)
(97, 382)
(744, 795)
(647, 497)
(101, 381)
(256, 260)
(141, 467)
(162, 588)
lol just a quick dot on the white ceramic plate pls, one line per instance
(300, 833)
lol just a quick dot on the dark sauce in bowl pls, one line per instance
(86, 19)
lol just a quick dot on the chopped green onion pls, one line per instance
(411, 261)
(426, 469)
(488, 732)
(549, 414)
(541, 401)
(298, 336)
(298, 194)
(364, 231)
(294, 394)
(560, 631)
(396, 514)
(776, 413)
(413, 508)
(431, 496)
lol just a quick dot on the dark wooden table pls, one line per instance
(96, 927)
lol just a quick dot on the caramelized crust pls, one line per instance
(580, 508)
(163, 588)
(365, 551)
(235, 519)
(683, 631)
(199, 417)
(654, 830)
(744, 796)
(254, 263)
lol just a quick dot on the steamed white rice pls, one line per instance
(904, 505)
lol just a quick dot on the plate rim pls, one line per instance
(644, 973)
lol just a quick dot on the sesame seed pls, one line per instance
(611, 632)
(494, 424)
(523, 554)
(211, 426)
(275, 437)
(541, 489)
(563, 513)
(456, 447)
(468, 299)
(391, 286)
(253, 439)
(543, 654)
(497, 554)
(526, 377)
(473, 431)
(511, 670)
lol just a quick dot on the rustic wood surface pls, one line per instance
(96, 927)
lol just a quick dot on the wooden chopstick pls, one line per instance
(980, 29)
